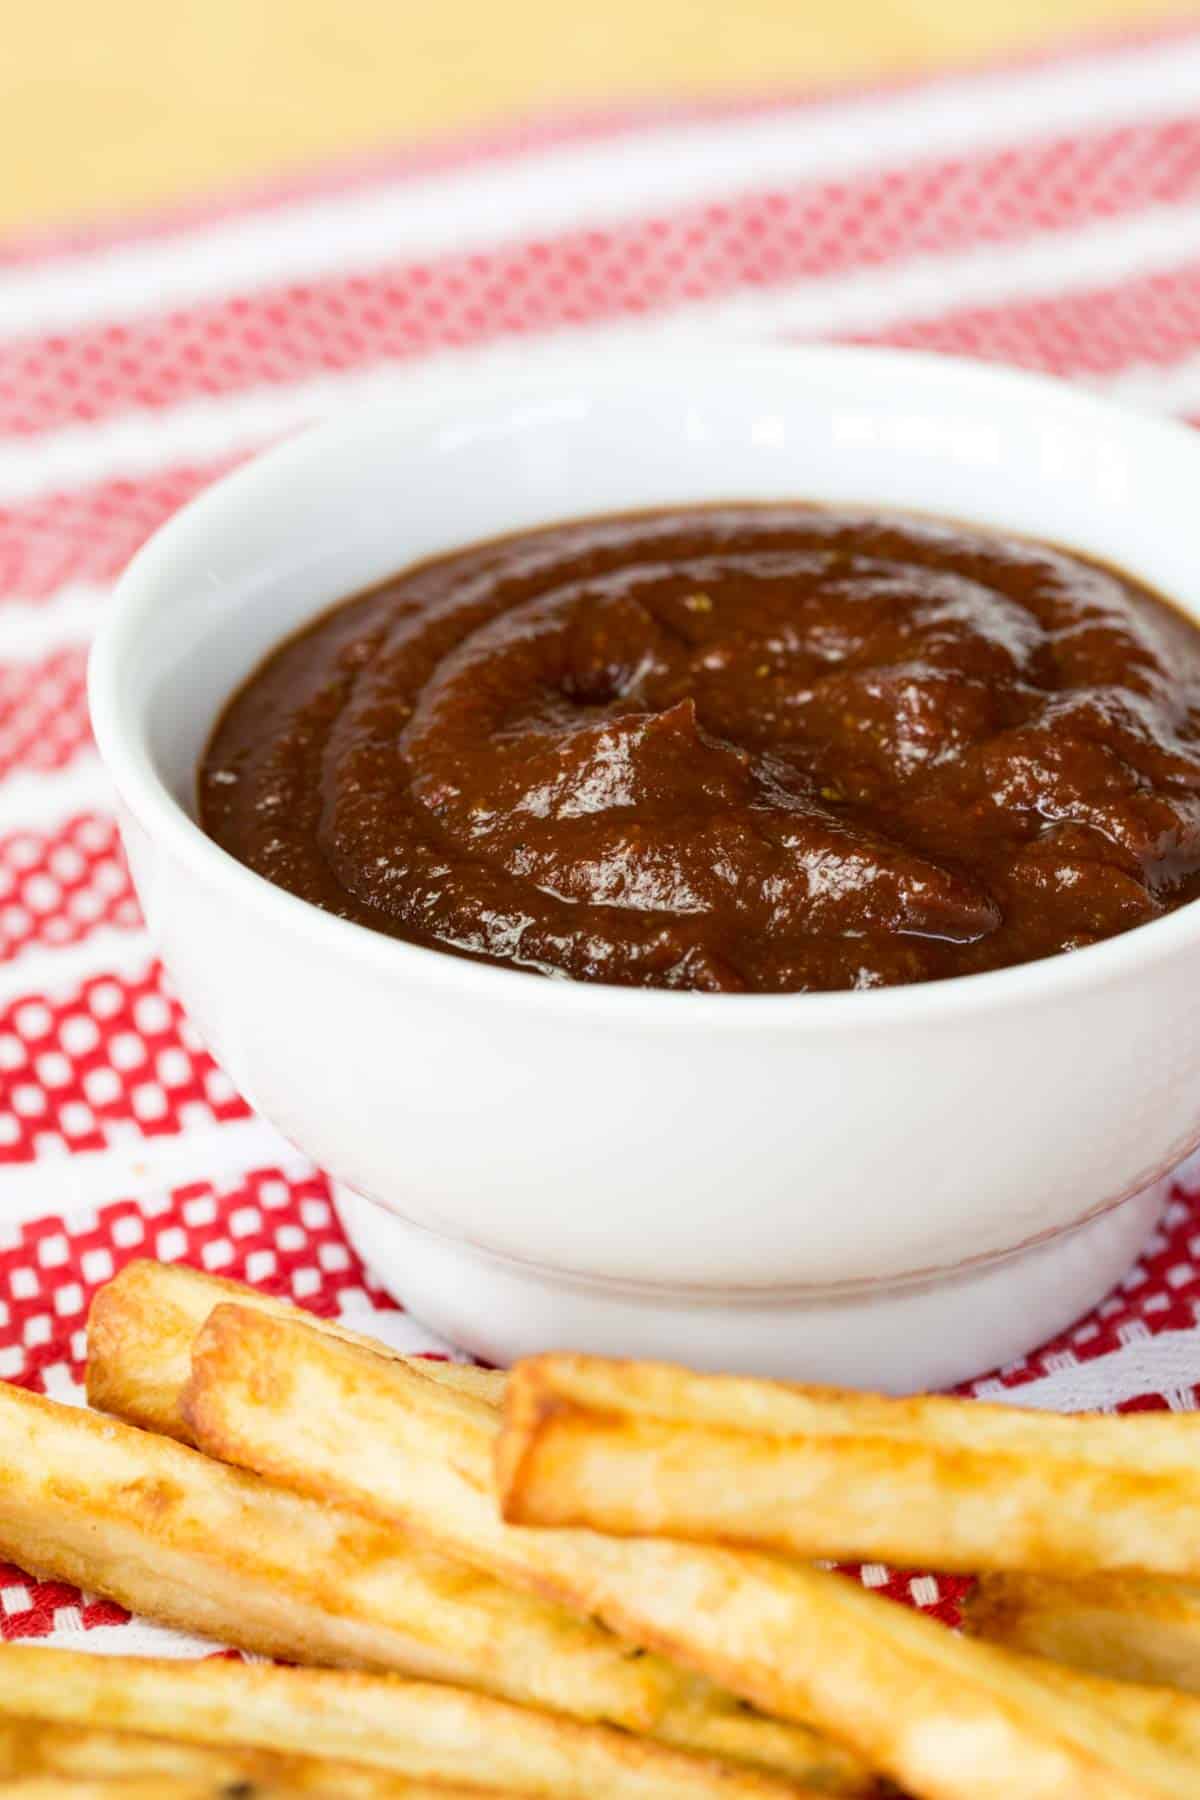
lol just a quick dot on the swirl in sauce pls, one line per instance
(745, 748)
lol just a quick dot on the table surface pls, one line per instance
(115, 106)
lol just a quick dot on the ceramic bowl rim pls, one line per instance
(125, 751)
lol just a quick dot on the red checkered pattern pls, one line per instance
(57, 886)
(1161, 1293)
(43, 712)
(1035, 230)
(89, 533)
(761, 239)
(1098, 332)
(276, 1231)
(112, 1057)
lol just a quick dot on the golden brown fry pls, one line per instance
(148, 1313)
(694, 1715)
(135, 1787)
(506, 1642)
(947, 1718)
(140, 1332)
(950, 1484)
(31, 1747)
(414, 1729)
(171, 1534)
(1131, 1627)
(1159, 1715)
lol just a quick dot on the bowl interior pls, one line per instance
(346, 505)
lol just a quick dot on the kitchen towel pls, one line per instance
(1044, 213)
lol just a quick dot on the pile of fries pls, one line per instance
(589, 1580)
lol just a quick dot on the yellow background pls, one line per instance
(111, 104)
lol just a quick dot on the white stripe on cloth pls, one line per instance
(141, 442)
(139, 1166)
(138, 1638)
(53, 971)
(507, 198)
(42, 799)
(1168, 1364)
(1159, 387)
(32, 629)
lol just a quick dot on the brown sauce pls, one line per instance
(743, 748)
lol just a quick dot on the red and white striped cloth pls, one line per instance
(1047, 213)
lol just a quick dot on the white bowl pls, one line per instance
(874, 1187)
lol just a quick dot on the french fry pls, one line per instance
(32, 1746)
(1131, 1627)
(421, 1731)
(138, 1324)
(815, 1472)
(36, 1748)
(140, 1331)
(946, 1718)
(699, 1717)
(135, 1787)
(1159, 1715)
(171, 1534)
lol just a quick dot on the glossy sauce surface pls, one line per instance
(745, 748)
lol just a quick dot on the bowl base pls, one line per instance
(897, 1339)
